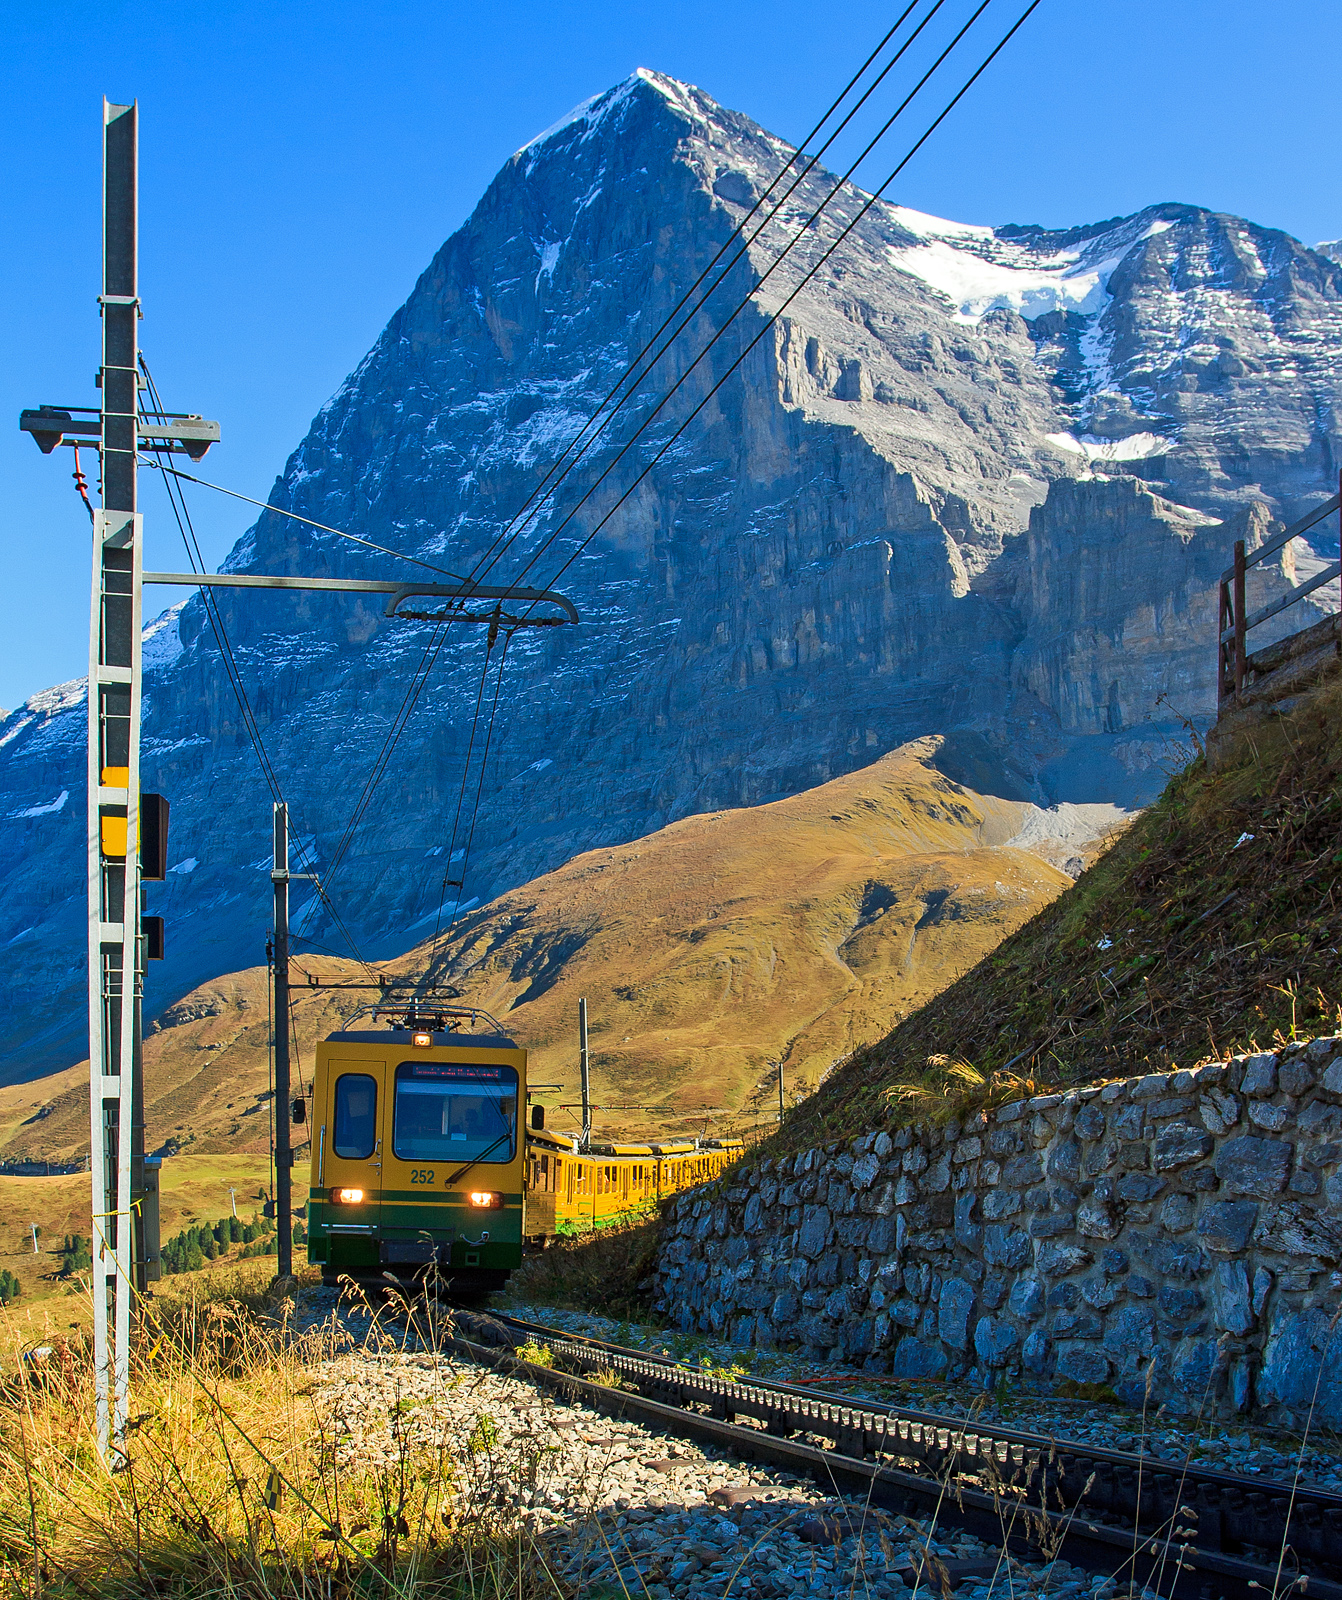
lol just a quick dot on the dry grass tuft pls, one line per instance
(231, 1483)
(950, 1088)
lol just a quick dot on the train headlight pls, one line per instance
(346, 1197)
(422, 1041)
(486, 1198)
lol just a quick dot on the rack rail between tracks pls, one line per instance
(1189, 1531)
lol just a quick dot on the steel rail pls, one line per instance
(1234, 1527)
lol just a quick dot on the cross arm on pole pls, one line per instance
(157, 430)
(399, 592)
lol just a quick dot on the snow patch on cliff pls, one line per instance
(1136, 447)
(979, 272)
(46, 810)
(61, 697)
(160, 642)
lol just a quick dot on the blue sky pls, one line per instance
(300, 163)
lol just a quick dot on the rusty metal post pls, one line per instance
(1239, 614)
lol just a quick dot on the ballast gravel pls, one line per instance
(614, 1507)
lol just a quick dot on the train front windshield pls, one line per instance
(455, 1111)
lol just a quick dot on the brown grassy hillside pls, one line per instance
(726, 942)
(206, 1069)
(708, 951)
(194, 1189)
(1213, 926)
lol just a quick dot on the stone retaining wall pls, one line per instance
(1192, 1217)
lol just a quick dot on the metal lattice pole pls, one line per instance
(114, 791)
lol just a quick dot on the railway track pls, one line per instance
(1187, 1532)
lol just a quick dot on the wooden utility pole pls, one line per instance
(284, 1159)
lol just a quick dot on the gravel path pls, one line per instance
(1268, 1454)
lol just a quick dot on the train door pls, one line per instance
(352, 1144)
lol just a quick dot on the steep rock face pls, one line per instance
(1119, 600)
(829, 560)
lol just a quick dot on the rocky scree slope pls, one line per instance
(973, 482)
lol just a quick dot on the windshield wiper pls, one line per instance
(476, 1160)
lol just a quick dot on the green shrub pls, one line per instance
(76, 1255)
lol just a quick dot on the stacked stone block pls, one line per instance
(1176, 1236)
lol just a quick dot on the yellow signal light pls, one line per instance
(486, 1198)
(346, 1197)
(421, 1041)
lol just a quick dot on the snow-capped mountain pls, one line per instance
(973, 481)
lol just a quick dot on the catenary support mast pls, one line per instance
(584, 1075)
(115, 1089)
(124, 1186)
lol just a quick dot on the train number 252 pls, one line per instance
(421, 1175)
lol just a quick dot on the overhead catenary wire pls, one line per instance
(479, 790)
(320, 882)
(409, 702)
(382, 760)
(837, 189)
(800, 233)
(773, 317)
(387, 749)
(279, 511)
(182, 516)
(461, 793)
(559, 470)
(431, 651)
(597, 422)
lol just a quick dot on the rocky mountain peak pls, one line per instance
(946, 479)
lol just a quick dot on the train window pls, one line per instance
(355, 1116)
(454, 1111)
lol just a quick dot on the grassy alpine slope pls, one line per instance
(1212, 926)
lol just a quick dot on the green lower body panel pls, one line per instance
(412, 1232)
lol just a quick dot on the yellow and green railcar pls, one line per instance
(420, 1157)
(417, 1154)
(574, 1190)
